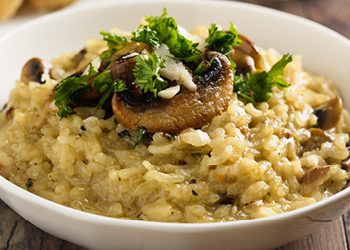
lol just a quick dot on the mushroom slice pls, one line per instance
(246, 56)
(313, 174)
(248, 47)
(186, 109)
(345, 164)
(120, 68)
(80, 56)
(329, 113)
(317, 137)
(35, 70)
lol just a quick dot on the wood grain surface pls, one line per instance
(18, 234)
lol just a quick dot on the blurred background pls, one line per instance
(334, 14)
(18, 234)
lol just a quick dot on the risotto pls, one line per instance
(241, 159)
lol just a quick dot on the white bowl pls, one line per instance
(325, 52)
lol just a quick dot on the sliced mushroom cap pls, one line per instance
(80, 56)
(317, 137)
(34, 70)
(246, 56)
(186, 109)
(329, 113)
(119, 67)
(313, 174)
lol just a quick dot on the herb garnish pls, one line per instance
(257, 86)
(146, 73)
(29, 183)
(142, 134)
(201, 69)
(71, 89)
(112, 41)
(222, 41)
(163, 29)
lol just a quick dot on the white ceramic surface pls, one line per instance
(325, 52)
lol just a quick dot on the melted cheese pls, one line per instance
(174, 69)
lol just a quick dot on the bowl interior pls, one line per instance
(324, 52)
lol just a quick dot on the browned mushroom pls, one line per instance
(226, 200)
(345, 164)
(313, 174)
(184, 110)
(246, 56)
(33, 70)
(118, 65)
(317, 137)
(329, 113)
(80, 56)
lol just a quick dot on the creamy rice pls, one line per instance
(247, 163)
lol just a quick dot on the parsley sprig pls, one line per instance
(147, 75)
(222, 41)
(257, 86)
(163, 29)
(71, 89)
(112, 41)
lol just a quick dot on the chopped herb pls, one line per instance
(332, 181)
(29, 183)
(222, 41)
(172, 212)
(124, 133)
(269, 194)
(194, 193)
(257, 86)
(105, 83)
(146, 35)
(142, 133)
(82, 128)
(71, 89)
(163, 29)
(146, 73)
(119, 179)
(112, 41)
(200, 69)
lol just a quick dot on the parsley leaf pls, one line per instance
(105, 83)
(146, 73)
(142, 134)
(201, 69)
(257, 86)
(146, 35)
(163, 29)
(112, 41)
(71, 89)
(222, 41)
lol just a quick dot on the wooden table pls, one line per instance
(18, 234)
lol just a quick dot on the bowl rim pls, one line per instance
(167, 226)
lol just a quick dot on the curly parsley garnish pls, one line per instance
(163, 29)
(257, 86)
(141, 133)
(146, 73)
(222, 41)
(71, 89)
(112, 41)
